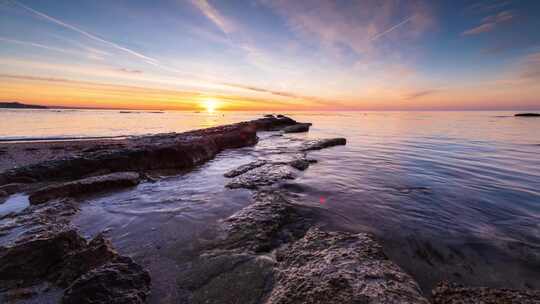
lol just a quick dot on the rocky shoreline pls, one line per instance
(272, 251)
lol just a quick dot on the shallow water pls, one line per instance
(452, 195)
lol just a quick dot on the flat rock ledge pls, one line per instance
(85, 186)
(158, 152)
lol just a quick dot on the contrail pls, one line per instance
(82, 32)
(377, 36)
(38, 45)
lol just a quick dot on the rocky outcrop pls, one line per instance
(297, 128)
(447, 293)
(39, 246)
(162, 151)
(265, 175)
(245, 168)
(270, 252)
(85, 186)
(527, 115)
(340, 267)
(117, 282)
(323, 143)
(274, 123)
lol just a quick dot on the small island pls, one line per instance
(18, 105)
(527, 115)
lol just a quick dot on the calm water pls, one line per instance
(452, 195)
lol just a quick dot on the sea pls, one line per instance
(452, 196)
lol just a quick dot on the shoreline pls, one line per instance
(266, 239)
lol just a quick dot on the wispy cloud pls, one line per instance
(39, 45)
(128, 71)
(214, 15)
(490, 23)
(419, 94)
(487, 6)
(356, 25)
(86, 34)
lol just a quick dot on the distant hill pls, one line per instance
(18, 105)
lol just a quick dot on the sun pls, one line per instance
(210, 105)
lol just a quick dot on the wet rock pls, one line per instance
(31, 258)
(300, 164)
(96, 253)
(273, 123)
(162, 151)
(171, 151)
(447, 293)
(245, 168)
(85, 186)
(13, 188)
(262, 176)
(297, 128)
(120, 281)
(340, 267)
(39, 247)
(323, 143)
(267, 223)
(527, 115)
(237, 266)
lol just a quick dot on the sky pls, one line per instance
(272, 55)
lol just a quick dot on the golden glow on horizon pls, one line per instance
(210, 105)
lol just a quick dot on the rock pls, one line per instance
(527, 115)
(340, 267)
(297, 128)
(12, 188)
(245, 168)
(447, 293)
(269, 115)
(31, 258)
(323, 143)
(273, 123)
(156, 152)
(85, 186)
(237, 267)
(41, 248)
(264, 225)
(118, 282)
(265, 175)
(300, 164)
(92, 255)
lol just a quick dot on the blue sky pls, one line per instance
(263, 54)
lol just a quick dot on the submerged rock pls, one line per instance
(340, 267)
(85, 186)
(297, 128)
(245, 168)
(447, 293)
(301, 164)
(323, 143)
